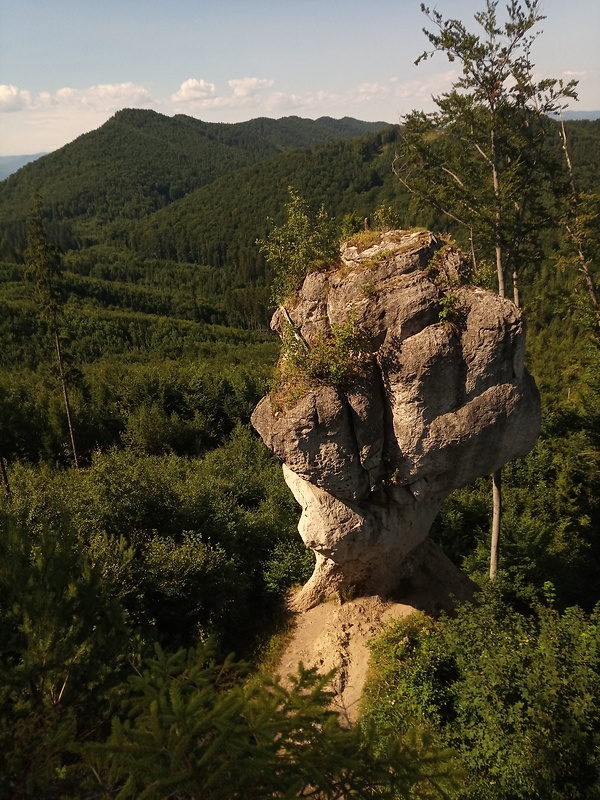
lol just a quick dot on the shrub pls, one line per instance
(336, 358)
(515, 695)
(299, 246)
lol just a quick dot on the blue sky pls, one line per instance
(67, 65)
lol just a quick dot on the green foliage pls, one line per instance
(181, 723)
(193, 730)
(299, 246)
(351, 224)
(188, 546)
(140, 161)
(450, 310)
(64, 643)
(43, 268)
(482, 157)
(290, 565)
(551, 515)
(580, 255)
(386, 218)
(336, 358)
(516, 696)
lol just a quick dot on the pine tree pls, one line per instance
(44, 268)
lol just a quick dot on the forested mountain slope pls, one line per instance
(140, 161)
(219, 224)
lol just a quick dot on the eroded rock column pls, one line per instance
(442, 398)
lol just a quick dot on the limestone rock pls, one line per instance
(434, 405)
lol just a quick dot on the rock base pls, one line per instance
(335, 636)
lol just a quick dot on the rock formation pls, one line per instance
(436, 396)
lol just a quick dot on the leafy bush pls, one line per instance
(515, 695)
(386, 218)
(336, 358)
(299, 246)
(290, 564)
(187, 546)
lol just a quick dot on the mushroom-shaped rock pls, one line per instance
(438, 397)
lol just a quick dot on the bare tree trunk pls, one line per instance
(497, 476)
(66, 398)
(574, 233)
(500, 270)
(4, 476)
(496, 520)
(516, 298)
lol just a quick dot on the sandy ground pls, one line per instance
(334, 636)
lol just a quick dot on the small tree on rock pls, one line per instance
(302, 244)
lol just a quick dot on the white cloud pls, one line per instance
(367, 92)
(47, 120)
(194, 90)
(12, 98)
(247, 87)
(201, 95)
(104, 96)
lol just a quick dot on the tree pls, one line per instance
(299, 246)
(581, 223)
(4, 475)
(190, 728)
(482, 157)
(44, 268)
(514, 695)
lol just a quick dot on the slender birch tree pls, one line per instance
(482, 157)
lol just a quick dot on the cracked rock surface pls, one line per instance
(435, 405)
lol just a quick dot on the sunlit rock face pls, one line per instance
(441, 398)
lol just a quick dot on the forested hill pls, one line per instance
(140, 161)
(218, 224)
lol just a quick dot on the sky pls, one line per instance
(66, 66)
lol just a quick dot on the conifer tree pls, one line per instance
(43, 266)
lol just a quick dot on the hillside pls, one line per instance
(140, 161)
(10, 164)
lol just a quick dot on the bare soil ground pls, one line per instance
(334, 635)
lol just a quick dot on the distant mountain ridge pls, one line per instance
(140, 160)
(10, 164)
(581, 114)
(147, 186)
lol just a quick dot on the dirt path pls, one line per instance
(335, 636)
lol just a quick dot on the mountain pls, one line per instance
(218, 224)
(10, 164)
(149, 205)
(140, 161)
(581, 114)
(160, 215)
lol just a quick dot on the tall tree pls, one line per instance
(581, 223)
(482, 157)
(43, 266)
